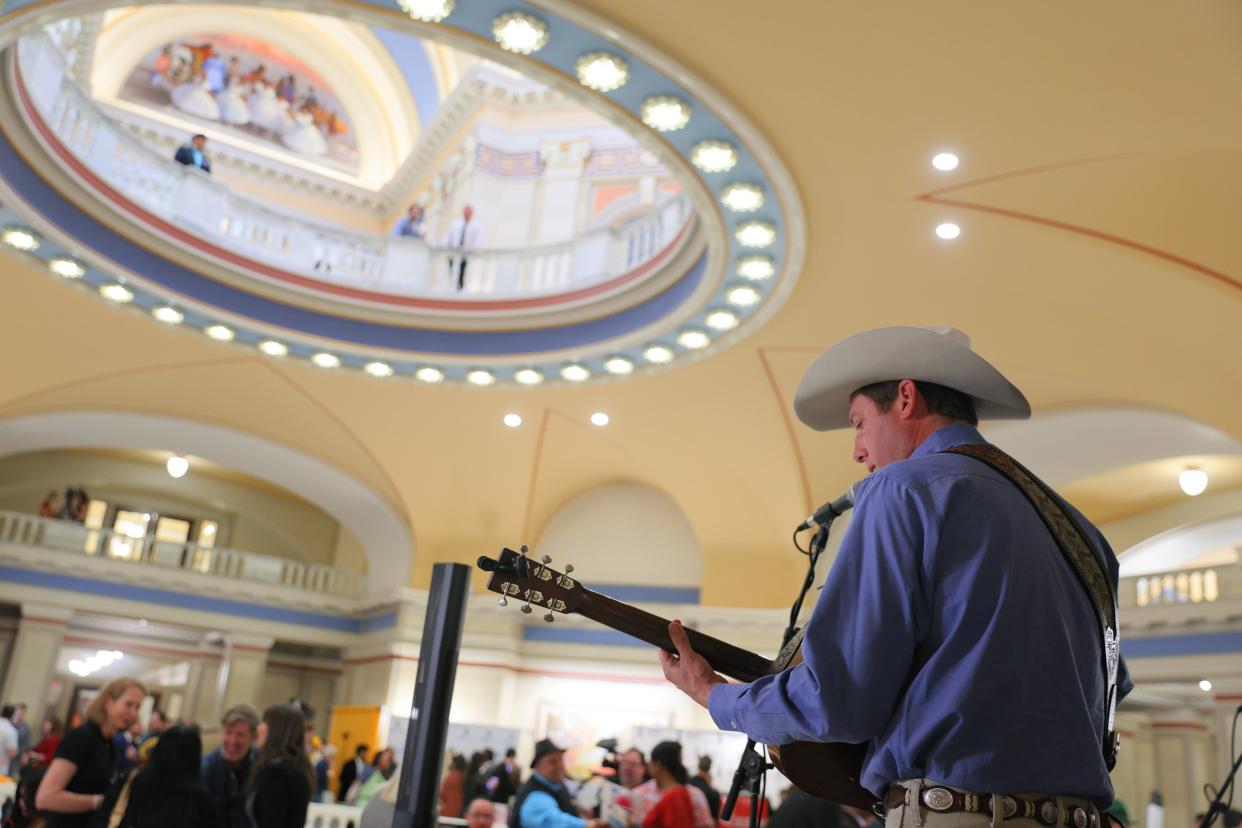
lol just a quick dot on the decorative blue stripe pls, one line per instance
(649, 594)
(71, 219)
(191, 601)
(410, 55)
(1179, 645)
(569, 635)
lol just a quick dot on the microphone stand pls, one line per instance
(1218, 806)
(751, 768)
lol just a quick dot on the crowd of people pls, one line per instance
(110, 771)
(72, 506)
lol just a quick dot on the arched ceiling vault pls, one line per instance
(855, 99)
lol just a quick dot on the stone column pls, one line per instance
(564, 162)
(32, 663)
(246, 662)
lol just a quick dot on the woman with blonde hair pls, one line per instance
(282, 780)
(81, 771)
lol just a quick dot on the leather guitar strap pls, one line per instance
(1077, 551)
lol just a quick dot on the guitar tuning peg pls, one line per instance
(547, 559)
(504, 602)
(569, 568)
(524, 548)
(549, 618)
(526, 608)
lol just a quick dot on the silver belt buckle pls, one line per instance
(939, 799)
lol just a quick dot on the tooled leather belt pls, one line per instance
(947, 800)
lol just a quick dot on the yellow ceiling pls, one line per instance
(1098, 262)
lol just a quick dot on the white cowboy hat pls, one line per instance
(939, 355)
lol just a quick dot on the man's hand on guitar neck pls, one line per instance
(688, 671)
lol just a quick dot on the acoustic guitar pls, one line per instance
(829, 770)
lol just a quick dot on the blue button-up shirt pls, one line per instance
(539, 810)
(951, 635)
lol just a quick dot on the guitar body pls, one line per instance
(828, 770)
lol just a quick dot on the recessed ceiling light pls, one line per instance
(665, 113)
(168, 315)
(528, 376)
(619, 365)
(575, 372)
(220, 332)
(1205, 686)
(429, 11)
(273, 348)
(599, 418)
(742, 198)
(722, 320)
(479, 376)
(520, 32)
(602, 71)
(513, 420)
(693, 339)
(755, 233)
(429, 373)
(756, 268)
(1193, 481)
(20, 238)
(944, 161)
(326, 360)
(177, 466)
(117, 293)
(948, 231)
(378, 369)
(714, 156)
(658, 354)
(743, 296)
(67, 267)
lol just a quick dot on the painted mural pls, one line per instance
(251, 87)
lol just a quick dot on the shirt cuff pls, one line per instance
(722, 704)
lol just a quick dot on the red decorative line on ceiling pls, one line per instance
(938, 197)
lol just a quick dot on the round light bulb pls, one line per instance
(480, 377)
(742, 198)
(575, 372)
(273, 348)
(117, 293)
(658, 354)
(694, 340)
(378, 369)
(219, 332)
(742, 296)
(721, 320)
(20, 238)
(520, 32)
(429, 373)
(1193, 481)
(756, 268)
(513, 420)
(429, 11)
(944, 161)
(1205, 686)
(177, 466)
(599, 418)
(326, 360)
(602, 71)
(665, 113)
(755, 234)
(948, 231)
(528, 376)
(714, 156)
(619, 365)
(66, 267)
(168, 315)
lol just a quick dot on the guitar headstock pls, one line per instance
(533, 582)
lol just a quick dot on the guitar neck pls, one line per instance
(733, 662)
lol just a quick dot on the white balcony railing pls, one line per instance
(71, 537)
(190, 199)
(1182, 587)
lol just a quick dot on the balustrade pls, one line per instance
(195, 201)
(67, 536)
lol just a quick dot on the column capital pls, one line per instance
(46, 614)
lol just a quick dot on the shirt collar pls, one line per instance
(549, 783)
(948, 436)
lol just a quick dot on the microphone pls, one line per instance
(831, 510)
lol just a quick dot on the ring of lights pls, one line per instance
(745, 198)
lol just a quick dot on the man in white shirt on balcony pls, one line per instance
(463, 235)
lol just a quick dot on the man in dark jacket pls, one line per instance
(351, 771)
(194, 154)
(226, 770)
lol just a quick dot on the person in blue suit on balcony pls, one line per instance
(194, 154)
